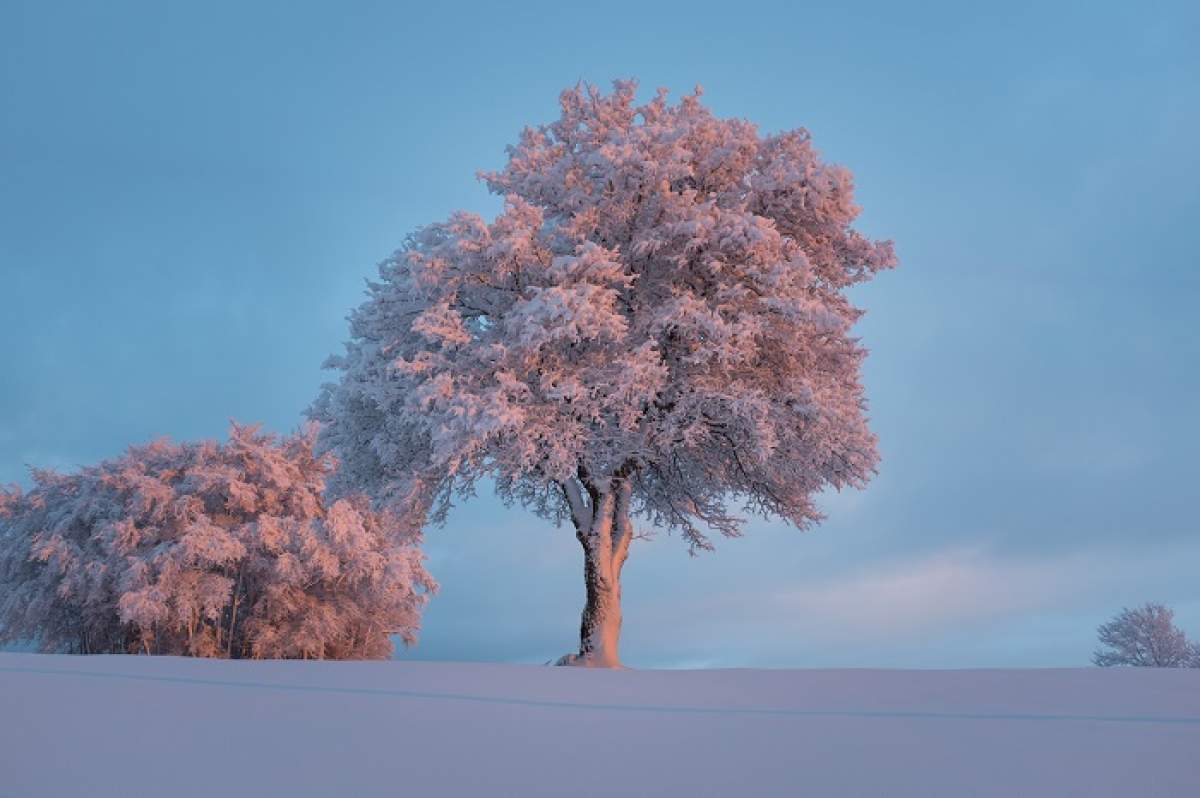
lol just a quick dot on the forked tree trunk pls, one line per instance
(605, 537)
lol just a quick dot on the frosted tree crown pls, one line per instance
(207, 549)
(662, 297)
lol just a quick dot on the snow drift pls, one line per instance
(129, 726)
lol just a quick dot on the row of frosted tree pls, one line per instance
(656, 327)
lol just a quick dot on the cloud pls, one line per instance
(963, 587)
(952, 588)
(953, 608)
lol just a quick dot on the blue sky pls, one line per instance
(191, 196)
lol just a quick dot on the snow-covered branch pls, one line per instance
(581, 514)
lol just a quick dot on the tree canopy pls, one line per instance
(207, 549)
(661, 303)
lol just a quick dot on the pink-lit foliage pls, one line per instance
(655, 325)
(207, 549)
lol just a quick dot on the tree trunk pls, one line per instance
(600, 630)
(237, 591)
(605, 540)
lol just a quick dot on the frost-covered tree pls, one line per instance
(1145, 637)
(655, 325)
(207, 549)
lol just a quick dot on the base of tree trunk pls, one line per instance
(574, 660)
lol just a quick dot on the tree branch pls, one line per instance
(581, 514)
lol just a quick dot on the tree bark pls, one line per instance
(604, 533)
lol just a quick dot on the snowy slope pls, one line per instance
(132, 726)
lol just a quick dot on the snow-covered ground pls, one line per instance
(133, 726)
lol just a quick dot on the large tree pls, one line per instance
(655, 325)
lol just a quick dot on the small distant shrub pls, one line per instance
(1145, 637)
